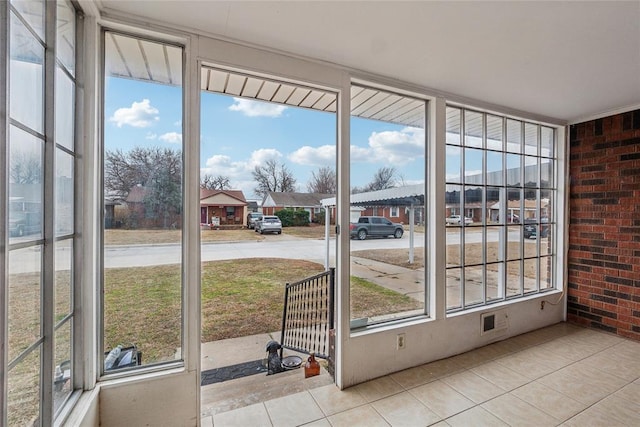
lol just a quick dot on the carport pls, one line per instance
(408, 196)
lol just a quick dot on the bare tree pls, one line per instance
(384, 178)
(218, 182)
(322, 181)
(273, 176)
(26, 168)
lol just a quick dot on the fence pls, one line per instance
(308, 314)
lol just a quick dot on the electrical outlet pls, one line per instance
(401, 341)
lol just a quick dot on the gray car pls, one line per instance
(268, 224)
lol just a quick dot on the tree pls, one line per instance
(323, 181)
(218, 182)
(159, 170)
(26, 168)
(273, 176)
(125, 170)
(384, 178)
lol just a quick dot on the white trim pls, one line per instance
(604, 114)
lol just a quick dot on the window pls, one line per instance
(388, 149)
(143, 203)
(41, 214)
(500, 173)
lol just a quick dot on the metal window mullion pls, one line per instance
(502, 276)
(48, 251)
(463, 300)
(4, 202)
(483, 209)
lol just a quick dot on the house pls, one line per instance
(567, 71)
(223, 207)
(274, 201)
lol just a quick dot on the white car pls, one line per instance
(455, 219)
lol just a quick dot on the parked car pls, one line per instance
(531, 228)
(378, 226)
(456, 219)
(252, 217)
(23, 223)
(268, 224)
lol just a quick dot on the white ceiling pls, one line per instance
(565, 60)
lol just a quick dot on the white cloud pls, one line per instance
(314, 156)
(171, 137)
(140, 115)
(361, 154)
(398, 148)
(178, 123)
(151, 135)
(252, 108)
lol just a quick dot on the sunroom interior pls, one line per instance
(522, 82)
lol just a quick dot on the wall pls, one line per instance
(604, 229)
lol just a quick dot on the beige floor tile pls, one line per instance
(473, 386)
(549, 401)
(441, 398)
(527, 365)
(620, 360)
(410, 378)
(595, 377)
(477, 417)
(293, 410)
(364, 416)
(516, 412)
(505, 378)
(320, 423)
(333, 400)
(610, 412)
(621, 410)
(440, 424)
(206, 422)
(405, 410)
(630, 392)
(575, 387)
(379, 388)
(253, 415)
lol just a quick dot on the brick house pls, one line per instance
(223, 207)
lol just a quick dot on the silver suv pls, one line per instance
(269, 224)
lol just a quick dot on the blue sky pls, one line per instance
(238, 134)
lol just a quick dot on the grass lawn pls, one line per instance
(239, 298)
(141, 237)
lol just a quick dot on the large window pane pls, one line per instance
(143, 190)
(388, 153)
(505, 222)
(64, 191)
(23, 397)
(64, 279)
(65, 108)
(33, 12)
(62, 385)
(453, 125)
(66, 36)
(25, 305)
(26, 77)
(25, 185)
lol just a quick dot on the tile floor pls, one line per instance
(560, 375)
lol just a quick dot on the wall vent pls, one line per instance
(494, 323)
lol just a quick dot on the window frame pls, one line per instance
(506, 187)
(185, 311)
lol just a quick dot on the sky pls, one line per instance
(239, 134)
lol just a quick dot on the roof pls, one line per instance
(397, 196)
(236, 194)
(137, 194)
(297, 199)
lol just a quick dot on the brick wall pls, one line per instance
(604, 228)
